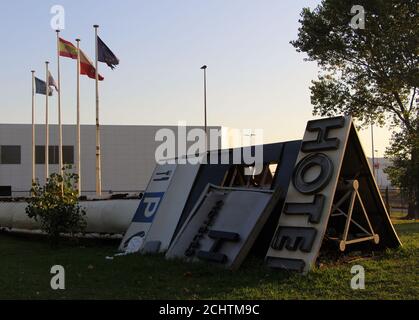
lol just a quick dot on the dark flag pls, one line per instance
(106, 55)
(41, 87)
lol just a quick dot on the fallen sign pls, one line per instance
(160, 209)
(188, 182)
(223, 225)
(149, 204)
(312, 192)
(332, 196)
(161, 231)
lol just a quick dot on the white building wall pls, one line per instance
(380, 176)
(128, 155)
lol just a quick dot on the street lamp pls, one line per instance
(250, 135)
(204, 67)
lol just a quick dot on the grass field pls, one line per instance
(25, 264)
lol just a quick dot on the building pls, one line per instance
(380, 176)
(128, 155)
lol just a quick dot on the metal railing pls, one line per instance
(20, 194)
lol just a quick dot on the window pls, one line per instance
(68, 154)
(5, 191)
(39, 154)
(10, 154)
(53, 155)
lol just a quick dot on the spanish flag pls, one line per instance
(67, 49)
(87, 68)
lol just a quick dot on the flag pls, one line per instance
(67, 49)
(105, 54)
(41, 87)
(87, 68)
(52, 82)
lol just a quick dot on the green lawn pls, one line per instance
(25, 264)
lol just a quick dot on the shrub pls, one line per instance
(56, 205)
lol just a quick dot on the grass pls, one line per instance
(398, 214)
(25, 263)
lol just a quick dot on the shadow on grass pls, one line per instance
(64, 241)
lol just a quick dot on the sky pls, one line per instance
(256, 79)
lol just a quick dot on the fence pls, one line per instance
(394, 199)
(396, 202)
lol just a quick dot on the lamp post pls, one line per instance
(204, 67)
(372, 148)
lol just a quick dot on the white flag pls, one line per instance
(51, 81)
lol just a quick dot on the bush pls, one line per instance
(56, 205)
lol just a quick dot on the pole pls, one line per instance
(98, 165)
(46, 122)
(78, 117)
(372, 148)
(60, 128)
(204, 67)
(33, 127)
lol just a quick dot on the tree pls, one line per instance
(404, 173)
(56, 206)
(370, 72)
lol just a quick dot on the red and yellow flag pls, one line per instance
(87, 68)
(67, 49)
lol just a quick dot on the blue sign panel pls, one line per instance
(148, 207)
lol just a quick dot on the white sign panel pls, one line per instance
(305, 215)
(170, 210)
(149, 204)
(222, 226)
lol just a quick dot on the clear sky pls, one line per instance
(256, 79)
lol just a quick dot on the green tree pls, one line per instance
(371, 73)
(404, 173)
(56, 205)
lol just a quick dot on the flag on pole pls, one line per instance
(106, 55)
(87, 68)
(67, 49)
(41, 87)
(51, 81)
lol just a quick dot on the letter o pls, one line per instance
(305, 164)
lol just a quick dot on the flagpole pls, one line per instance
(78, 118)
(33, 127)
(60, 128)
(98, 164)
(46, 122)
